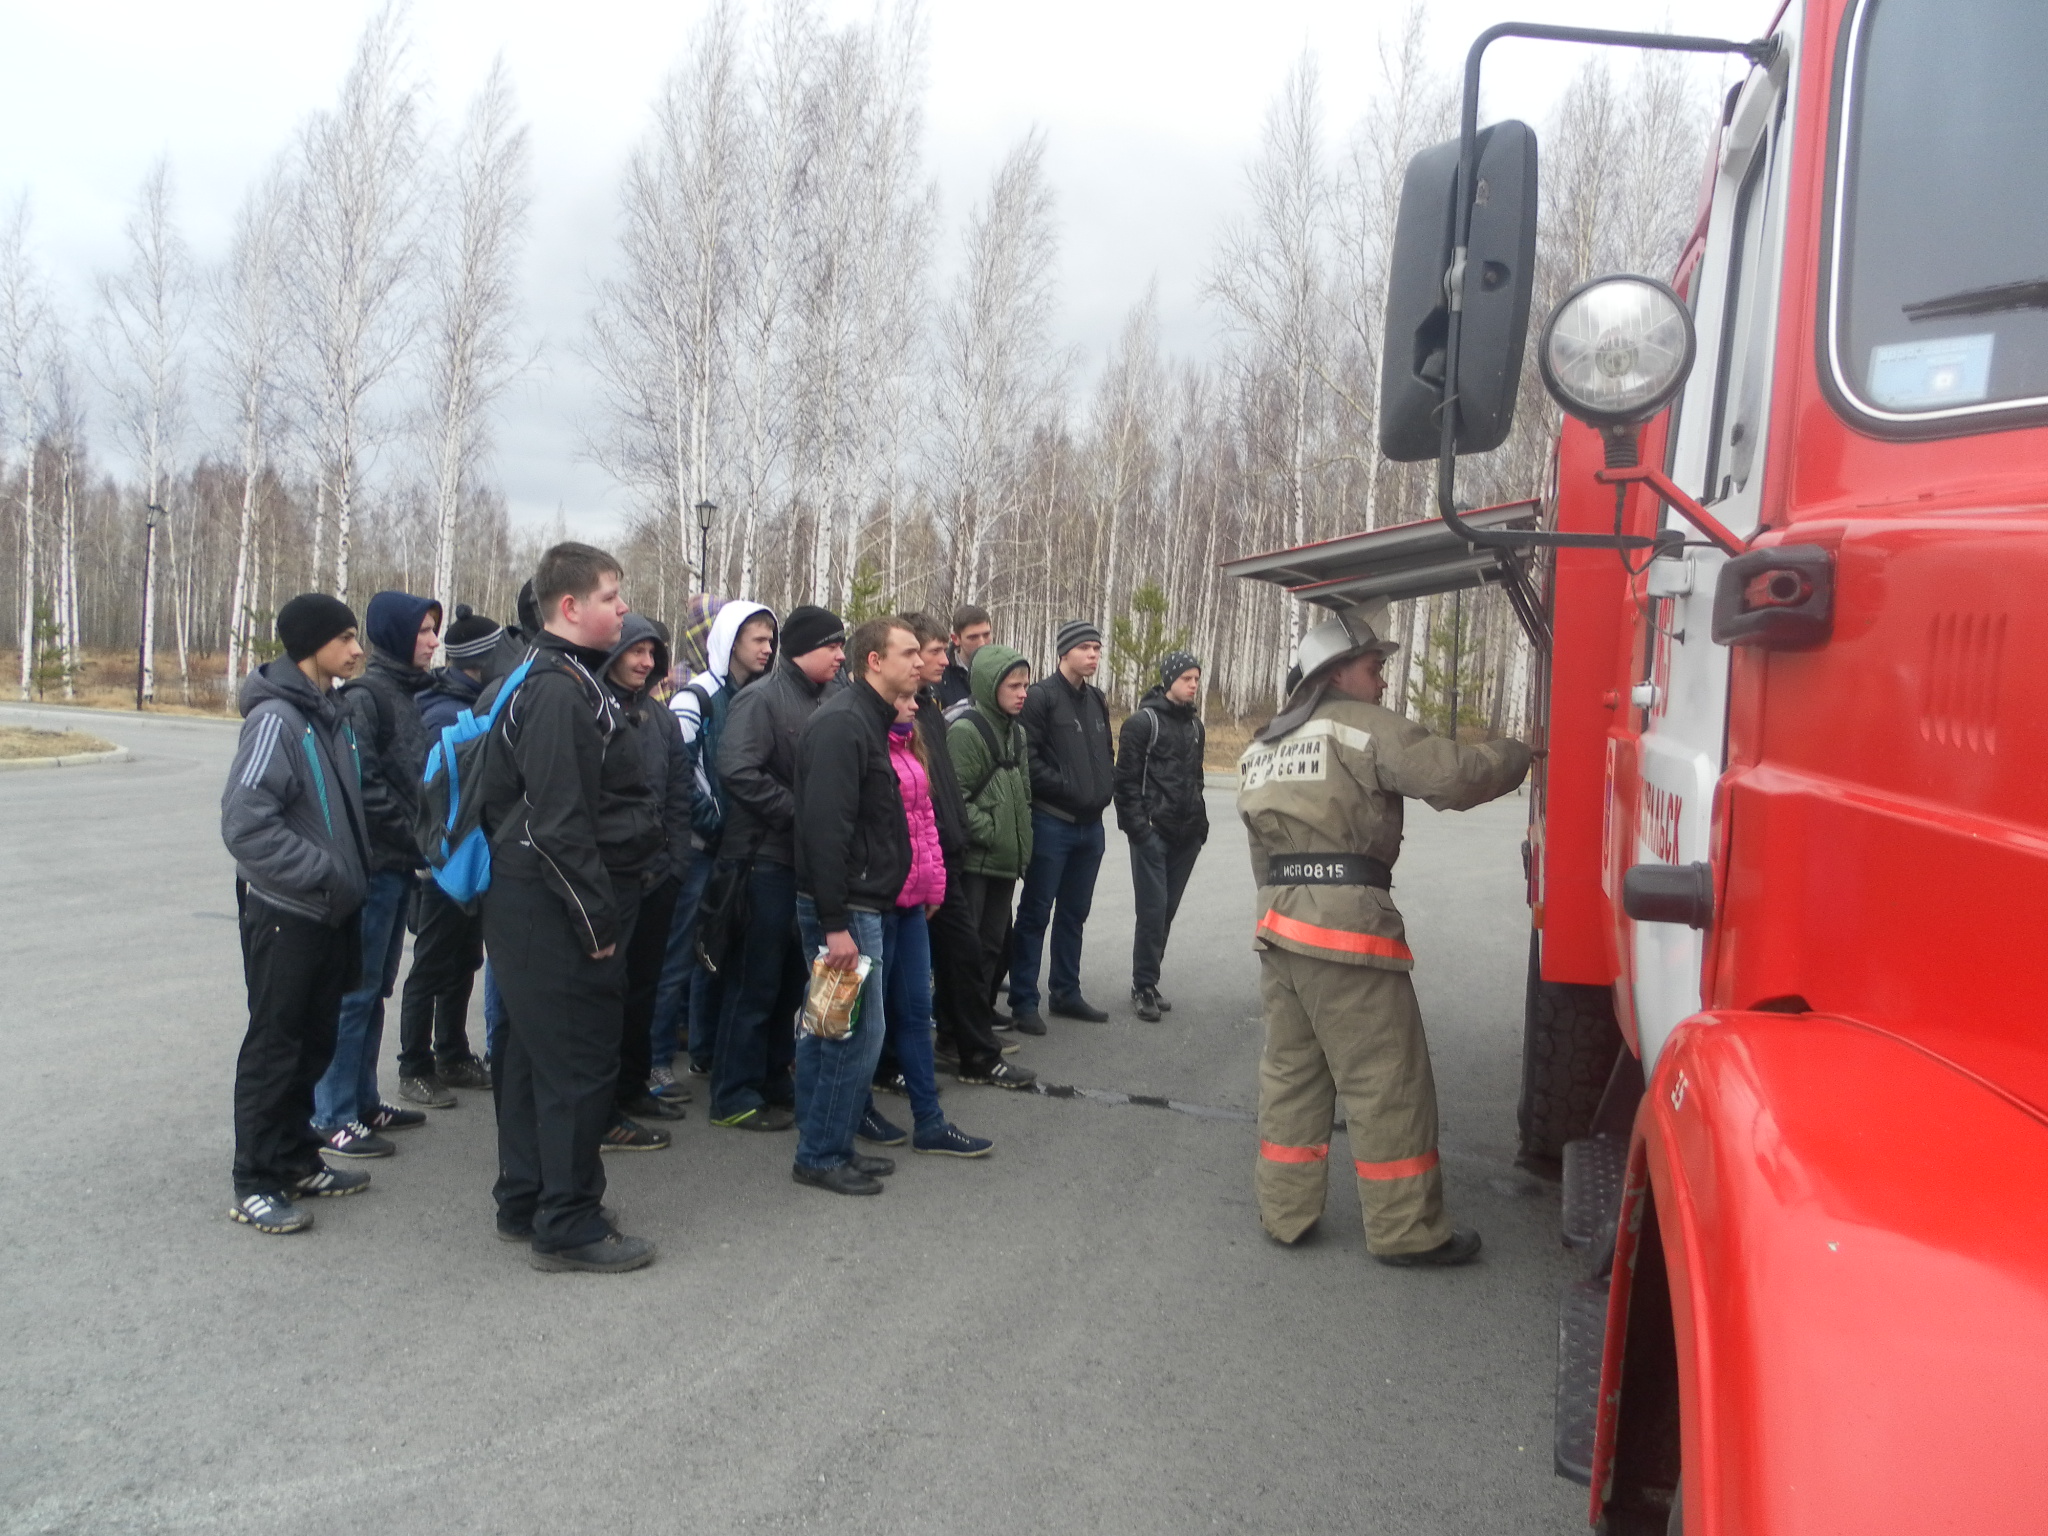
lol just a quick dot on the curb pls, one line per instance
(1219, 781)
(69, 760)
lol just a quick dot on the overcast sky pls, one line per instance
(1151, 108)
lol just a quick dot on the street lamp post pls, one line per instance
(142, 657)
(706, 510)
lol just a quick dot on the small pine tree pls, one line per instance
(1137, 643)
(1434, 665)
(865, 599)
(49, 663)
(263, 642)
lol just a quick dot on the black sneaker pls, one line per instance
(950, 1141)
(765, 1117)
(879, 1132)
(1003, 1074)
(425, 1090)
(330, 1183)
(873, 1167)
(1164, 1005)
(699, 1068)
(627, 1136)
(1029, 1022)
(945, 1054)
(653, 1108)
(1146, 1001)
(1461, 1247)
(892, 1082)
(1000, 1021)
(356, 1140)
(842, 1180)
(467, 1072)
(273, 1213)
(661, 1082)
(612, 1254)
(1078, 1007)
(389, 1117)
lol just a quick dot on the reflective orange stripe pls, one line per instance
(1406, 1168)
(1273, 1152)
(1293, 928)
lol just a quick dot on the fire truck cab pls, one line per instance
(1787, 1031)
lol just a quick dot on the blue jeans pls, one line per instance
(348, 1090)
(494, 1014)
(675, 1001)
(764, 988)
(909, 990)
(832, 1076)
(1064, 860)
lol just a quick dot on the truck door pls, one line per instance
(1716, 453)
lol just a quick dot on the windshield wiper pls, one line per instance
(2032, 294)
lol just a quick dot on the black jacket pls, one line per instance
(382, 707)
(852, 836)
(949, 806)
(757, 763)
(292, 811)
(568, 804)
(1067, 731)
(955, 685)
(668, 765)
(1159, 772)
(441, 705)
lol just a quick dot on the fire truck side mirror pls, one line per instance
(1499, 272)
(1669, 893)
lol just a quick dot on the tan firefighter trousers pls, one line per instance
(1353, 1030)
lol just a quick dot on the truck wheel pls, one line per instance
(1569, 1046)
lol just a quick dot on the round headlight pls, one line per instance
(1616, 350)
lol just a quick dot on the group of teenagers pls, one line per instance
(670, 859)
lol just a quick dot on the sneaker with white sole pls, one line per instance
(427, 1089)
(270, 1212)
(330, 1183)
(661, 1082)
(389, 1117)
(880, 1132)
(1003, 1074)
(356, 1140)
(630, 1136)
(950, 1141)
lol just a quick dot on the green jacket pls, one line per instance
(997, 788)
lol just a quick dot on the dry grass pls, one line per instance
(106, 680)
(19, 741)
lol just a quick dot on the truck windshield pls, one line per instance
(1940, 291)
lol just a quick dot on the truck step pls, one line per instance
(1581, 1341)
(1593, 1172)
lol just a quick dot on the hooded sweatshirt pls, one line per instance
(292, 811)
(701, 705)
(996, 786)
(382, 706)
(664, 757)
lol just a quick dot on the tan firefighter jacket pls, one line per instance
(1334, 785)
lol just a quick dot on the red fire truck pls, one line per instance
(1787, 1028)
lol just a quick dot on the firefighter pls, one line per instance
(1320, 793)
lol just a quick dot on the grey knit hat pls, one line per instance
(1075, 632)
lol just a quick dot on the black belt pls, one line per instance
(1328, 869)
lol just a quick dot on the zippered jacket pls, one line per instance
(567, 802)
(1335, 785)
(852, 838)
(996, 791)
(441, 705)
(383, 707)
(757, 762)
(292, 812)
(664, 759)
(1159, 772)
(1071, 763)
(948, 806)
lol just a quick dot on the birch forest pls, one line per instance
(869, 387)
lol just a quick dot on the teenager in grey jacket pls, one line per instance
(292, 817)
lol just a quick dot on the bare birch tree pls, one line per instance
(475, 299)
(357, 237)
(24, 357)
(146, 309)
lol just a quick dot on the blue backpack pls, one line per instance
(450, 825)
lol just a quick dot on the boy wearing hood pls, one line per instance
(448, 940)
(991, 758)
(730, 642)
(639, 660)
(1161, 812)
(291, 815)
(404, 632)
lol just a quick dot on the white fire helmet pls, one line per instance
(1344, 634)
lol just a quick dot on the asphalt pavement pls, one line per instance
(1086, 1332)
